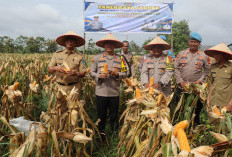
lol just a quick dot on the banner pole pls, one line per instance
(84, 27)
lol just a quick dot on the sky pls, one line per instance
(52, 18)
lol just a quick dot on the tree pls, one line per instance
(20, 44)
(180, 32)
(51, 46)
(35, 45)
(135, 48)
(7, 44)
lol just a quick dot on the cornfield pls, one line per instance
(62, 125)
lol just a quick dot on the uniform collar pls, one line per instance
(198, 51)
(104, 55)
(66, 51)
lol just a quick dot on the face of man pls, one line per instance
(220, 57)
(109, 47)
(70, 43)
(125, 47)
(157, 50)
(96, 18)
(193, 45)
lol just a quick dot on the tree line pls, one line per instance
(24, 44)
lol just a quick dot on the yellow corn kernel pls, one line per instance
(151, 81)
(183, 140)
(16, 85)
(216, 110)
(183, 124)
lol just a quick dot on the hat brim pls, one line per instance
(150, 46)
(79, 40)
(212, 52)
(116, 43)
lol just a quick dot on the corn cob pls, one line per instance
(151, 90)
(160, 97)
(151, 81)
(183, 140)
(16, 85)
(47, 77)
(74, 117)
(129, 83)
(137, 93)
(34, 83)
(181, 125)
(216, 110)
(66, 68)
(105, 69)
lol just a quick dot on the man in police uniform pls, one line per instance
(66, 80)
(128, 66)
(192, 66)
(220, 93)
(96, 25)
(158, 66)
(108, 83)
(150, 53)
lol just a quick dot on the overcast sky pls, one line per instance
(51, 18)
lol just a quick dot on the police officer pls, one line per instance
(158, 66)
(128, 57)
(192, 65)
(66, 80)
(220, 93)
(108, 82)
(150, 53)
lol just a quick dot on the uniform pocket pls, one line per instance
(226, 79)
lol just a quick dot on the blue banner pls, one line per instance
(129, 17)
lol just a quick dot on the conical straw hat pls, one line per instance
(79, 40)
(221, 48)
(109, 37)
(157, 41)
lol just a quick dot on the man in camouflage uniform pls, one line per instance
(192, 66)
(158, 66)
(220, 93)
(128, 57)
(108, 83)
(66, 80)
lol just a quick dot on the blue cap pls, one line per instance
(163, 37)
(196, 36)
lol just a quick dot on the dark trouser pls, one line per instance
(198, 108)
(103, 103)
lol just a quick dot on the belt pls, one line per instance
(67, 84)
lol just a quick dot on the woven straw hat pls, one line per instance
(157, 41)
(79, 40)
(109, 37)
(221, 48)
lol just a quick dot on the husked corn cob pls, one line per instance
(183, 124)
(16, 85)
(183, 140)
(105, 69)
(137, 93)
(160, 97)
(46, 77)
(151, 81)
(216, 110)
(151, 90)
(128, 81)
(34, 83)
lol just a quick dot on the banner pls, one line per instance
(129, 17)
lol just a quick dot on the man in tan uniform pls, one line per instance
(106, 70)
(158, 66)
(128, 57)
(68, 78)
(220, 93)
(192, 65)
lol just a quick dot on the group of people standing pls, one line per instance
(108, 69)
